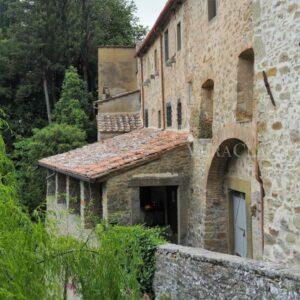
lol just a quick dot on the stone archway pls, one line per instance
(217, 236)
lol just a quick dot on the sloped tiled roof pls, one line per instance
(128, 150)
(119, 122)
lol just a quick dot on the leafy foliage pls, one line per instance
(36, 263)
(114, 268)
(73, 106)
(41, 39)
(51, 140)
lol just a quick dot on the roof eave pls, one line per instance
(113, 172)
(159, 25)
(67, 173)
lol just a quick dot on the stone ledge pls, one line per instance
(189, 273)
(268, 269)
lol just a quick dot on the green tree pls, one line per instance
(40, 39)
(51, 140)
(73, 105)
(38, 264)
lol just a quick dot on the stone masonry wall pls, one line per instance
(189, 273)
(118, 195)
(276, 45)
(210, 50)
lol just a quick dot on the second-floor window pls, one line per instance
(155, 62)
(159, 118)
(179, 114)
(146, 118)
(166, 40)
(212, 9)
(169, 115)
(179, 37)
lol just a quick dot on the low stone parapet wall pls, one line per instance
(189, 273)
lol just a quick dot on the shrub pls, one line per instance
(139, 244)
(121, 266)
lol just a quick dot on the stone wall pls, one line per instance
(188, 273)
(211, 50)
(276, 45)
(120, 197)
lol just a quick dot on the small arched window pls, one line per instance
(245, 84)
(206, 110)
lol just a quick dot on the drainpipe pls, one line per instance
(143, 92)
(262, 193)
(162, 83)
(262, 196)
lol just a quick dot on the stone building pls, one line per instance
(198, 130)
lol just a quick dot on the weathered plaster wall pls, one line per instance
(276, 45)
(189, 273)
(129, 102)
(116, 70)
(119, 197)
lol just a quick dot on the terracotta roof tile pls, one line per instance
(119, 122)
(100, 159)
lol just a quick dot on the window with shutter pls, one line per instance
(166, 38)
(179, 114)
(169, 115)
(146, 117)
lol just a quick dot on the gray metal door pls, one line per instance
(240, 224)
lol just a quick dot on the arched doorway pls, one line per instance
(228, 227)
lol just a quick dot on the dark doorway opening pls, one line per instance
(159, 208)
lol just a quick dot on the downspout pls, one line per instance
(143, 92)
(262, 195)
(162, 83)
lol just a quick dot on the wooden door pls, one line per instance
(239, 224)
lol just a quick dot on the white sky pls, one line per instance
(148, 11)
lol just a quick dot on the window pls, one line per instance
(167, 55)
(206, 110)
(169, 115)
(146, 118)
(179, 114)
(212, 9)
(190, 92)
(245, 83)
(155, 62)
(179, 36)
(148, 67)
(159, 119)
